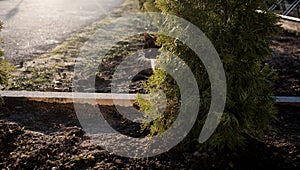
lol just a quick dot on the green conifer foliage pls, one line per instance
(242, 36)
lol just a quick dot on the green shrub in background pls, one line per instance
(5, 68)
(148, 5)
(242, 36)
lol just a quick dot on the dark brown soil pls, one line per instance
(286, 61)
(37, 135)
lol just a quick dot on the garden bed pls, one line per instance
(48, 136)
(286, 61)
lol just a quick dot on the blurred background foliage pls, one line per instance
(6, 68)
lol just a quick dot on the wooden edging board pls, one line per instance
(100, 98)
(73, 97)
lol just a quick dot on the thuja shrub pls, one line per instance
(242, 37)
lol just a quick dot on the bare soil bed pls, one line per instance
(37, 135)
(286, 61)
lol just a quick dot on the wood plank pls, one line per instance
(286, 99)
(71, 97)
(99, 98)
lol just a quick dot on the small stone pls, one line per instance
(58, 89)
(18, 107)
(197, 154)
(58, 83)
(118, 161)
